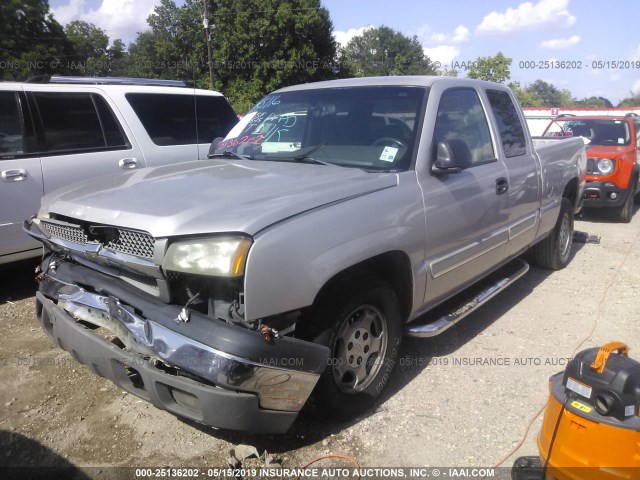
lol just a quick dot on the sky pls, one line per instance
(590, 47)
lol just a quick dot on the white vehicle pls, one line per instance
(60, 130)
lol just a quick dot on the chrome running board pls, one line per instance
(506, 276)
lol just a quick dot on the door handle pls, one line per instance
(502, 185)
(14, 175)
(128, 163)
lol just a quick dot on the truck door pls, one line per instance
(466, 212)
(522, 171)
(20, 177)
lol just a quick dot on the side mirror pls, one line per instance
(452, 156)
(214, 144)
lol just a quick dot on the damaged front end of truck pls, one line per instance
(138, 311)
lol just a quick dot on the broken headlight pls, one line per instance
(214, 256)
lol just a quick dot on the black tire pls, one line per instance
(554, 252)
(624, 213)
(359, 319)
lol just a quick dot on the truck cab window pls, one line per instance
(511, 132)
(461, 117)
(11, 134)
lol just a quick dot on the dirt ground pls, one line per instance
(446, 405)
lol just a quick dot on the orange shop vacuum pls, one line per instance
(591, 427)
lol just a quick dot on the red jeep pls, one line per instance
(613, 152)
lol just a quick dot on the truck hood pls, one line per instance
(212, 195)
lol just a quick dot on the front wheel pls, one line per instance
(624, 213)
(554, 251)
(360, 321)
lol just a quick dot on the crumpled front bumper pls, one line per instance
(206, 370)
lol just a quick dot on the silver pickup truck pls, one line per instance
(335, 218)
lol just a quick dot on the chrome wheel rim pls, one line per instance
(565, 236)
(359, 350)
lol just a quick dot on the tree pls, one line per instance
(384, 51)
(262, 45)
(493, 69)
(550, 96)
(632, 101)
(594, 101)
(526, 97)
(118, 59)
(174, 47)
(91, 46)
(448, 72)
(258, 46)
(32, 42)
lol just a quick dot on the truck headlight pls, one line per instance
(605, 165)
(218, 256)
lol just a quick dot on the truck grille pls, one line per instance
(69, 233)
(129, 242)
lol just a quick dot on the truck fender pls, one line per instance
(290, 262)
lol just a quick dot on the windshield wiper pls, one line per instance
(306, 156)
(228, 153)
(301, 157)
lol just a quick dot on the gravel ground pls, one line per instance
(445, 406)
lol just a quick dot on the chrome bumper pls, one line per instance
(277, 388)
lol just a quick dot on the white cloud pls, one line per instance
(635, 89)
(343, 37)
(614, 77)
(445, 54)
(527, 16)
(461, 34)
(429, 38)
(635, 55)
(119, 18)
(66, 13)
(442, 47)
(560, 43)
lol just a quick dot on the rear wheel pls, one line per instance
(554, 251)
(359, 320)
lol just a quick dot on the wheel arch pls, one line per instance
(635, 175)
(394, 267)
(571, 193)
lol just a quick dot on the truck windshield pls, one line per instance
(371, 128)
(603, 132)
